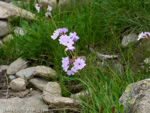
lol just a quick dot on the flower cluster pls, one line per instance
(65, 40)
(49, 9)
(69, 42)
(78, 64)
(144, 35)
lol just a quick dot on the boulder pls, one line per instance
(136, 97)
(38, 83)
(128, 39)
(82, 94)
(18, 84)
(9, 11)
(52, 96)
(5, 27)
(61, 102)
(8, 38)
(16, 66)
(11, 77)
(27, 73)
(33, 104)
(45, 72)
(52, 89)
(3, 67)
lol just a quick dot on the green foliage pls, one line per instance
(100, 23)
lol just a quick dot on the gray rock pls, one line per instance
(8, 38)
(61, 102)
(128, 39)
(12, 77)
(143, 105)
(46, 72)
(5, 27)
(52, 95)
(9, 11)
(52, 89)
(18, 84)
(27, 73)
(3, 67)
(104, 57)
(16, 66)
(38, 83)
(32, 104)
(1, 44)
(136, 96)
(81, 94)
(20, 31)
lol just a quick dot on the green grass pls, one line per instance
(94, 22)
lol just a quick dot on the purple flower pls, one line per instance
(79, 63)
(70, 48)
(37, 7)
(65, 62)
(55, 34)
(66, 41)
(69, 72)
(144, 35)
(63, 30)
(48, 14)
(73, 69)
(74, 36)
(49, 8)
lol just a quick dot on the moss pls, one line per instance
(128, 88)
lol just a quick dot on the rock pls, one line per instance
(61, 102)
(136, 97)
(32, 104)
(52, 95)
(27, 73)
(8, 38)
(81, 94)
(38, 83)
(3, 67)
(44, 71)
(143, 104)
(11, 77)
(18, 84)
(128, 39)
(52, 89)
(104, 57)
(20, 31)
(1, 44)
(4, 27)
(16, 66)
(9, 11)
